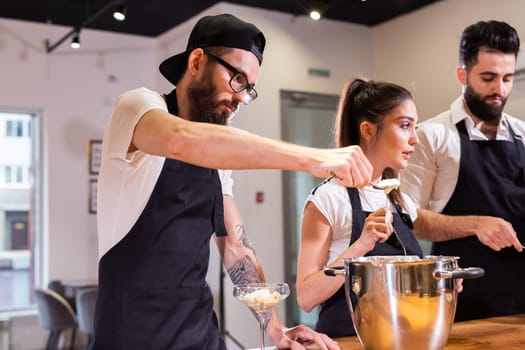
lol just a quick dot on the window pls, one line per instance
(17, 127)
(7, 174)
(20, 228)
(14, 175)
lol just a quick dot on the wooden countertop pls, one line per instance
(502, 333)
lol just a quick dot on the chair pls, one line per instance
(86, 300)
(58, 286)
(55, 315)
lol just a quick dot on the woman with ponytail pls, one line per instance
(340, 222)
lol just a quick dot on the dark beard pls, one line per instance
(482, 110)
(202, 105)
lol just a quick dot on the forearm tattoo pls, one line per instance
(244, 271)
(244, 238)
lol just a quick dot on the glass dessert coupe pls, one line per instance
(261, 298)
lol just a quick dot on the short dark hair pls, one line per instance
(490, 35)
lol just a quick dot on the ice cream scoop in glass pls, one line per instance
(260, 298)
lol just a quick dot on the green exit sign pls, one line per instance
(317, 72)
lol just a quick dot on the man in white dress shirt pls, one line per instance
(470, 161)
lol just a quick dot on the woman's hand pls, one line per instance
(378, 228)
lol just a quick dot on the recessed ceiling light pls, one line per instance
(315, 15)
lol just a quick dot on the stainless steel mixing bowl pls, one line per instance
(403, 302)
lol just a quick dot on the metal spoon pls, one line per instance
(388, 185)
(400, 242)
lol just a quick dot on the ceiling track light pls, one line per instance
(120, 12)
(120, 8)
(75, 41)
(315, 15)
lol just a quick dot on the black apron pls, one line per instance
(152, 288)
(490, 182)
(334, 315)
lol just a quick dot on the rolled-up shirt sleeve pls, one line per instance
(226, 182)
(432, 173)
(418, 178)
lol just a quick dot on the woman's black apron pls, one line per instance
(334, 315)
(152, 288)
(490, 182)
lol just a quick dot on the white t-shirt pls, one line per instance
(126, 180)
(333, 202)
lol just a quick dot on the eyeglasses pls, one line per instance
(239, 81)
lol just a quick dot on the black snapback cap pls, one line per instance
(223, 30)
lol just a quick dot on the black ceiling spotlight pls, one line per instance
(120, 12)
(75, 43)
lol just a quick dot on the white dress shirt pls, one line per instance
(432, 172)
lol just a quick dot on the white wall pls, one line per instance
(74, 91)
(420, 50)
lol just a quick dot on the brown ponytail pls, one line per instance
(363, 100)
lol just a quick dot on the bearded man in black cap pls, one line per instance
(470, 161)
(160, 199)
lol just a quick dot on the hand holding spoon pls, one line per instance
(388, 185)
